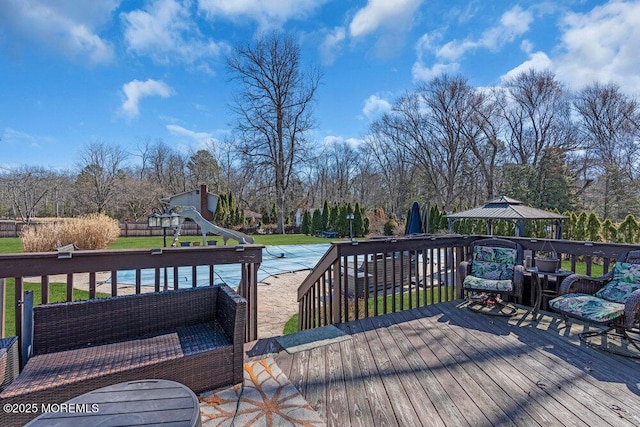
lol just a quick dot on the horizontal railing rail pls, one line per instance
(368, 278)
(25, 267)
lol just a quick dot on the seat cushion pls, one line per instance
(587, 307)
(626, 279)
(490, 285)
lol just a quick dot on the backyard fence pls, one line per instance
(127, 229)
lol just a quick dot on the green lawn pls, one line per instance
(57, 293)
(14, 244)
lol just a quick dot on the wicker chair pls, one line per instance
(612, 300)
(192, 336)
(494, 269)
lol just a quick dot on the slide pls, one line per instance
(207, 227)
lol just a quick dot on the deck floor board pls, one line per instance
(443, 365)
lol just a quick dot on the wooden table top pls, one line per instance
(145, 402)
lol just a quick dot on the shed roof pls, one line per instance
(505, 208)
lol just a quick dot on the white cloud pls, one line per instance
(537, 61)
(383, 13)
(268, 14)
(202, 139)
(331, 140)
(513, 23)
(68, 27)
(375, 106)
(601, 45)
(166, 32)
(390, 21)
(331, 44)
(136, 90)
(12, 136)
(421, 72)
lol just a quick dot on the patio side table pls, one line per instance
(146, 402)
(545, 288)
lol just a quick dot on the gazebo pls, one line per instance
(512, 210)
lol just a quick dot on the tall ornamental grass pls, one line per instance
(94, 231)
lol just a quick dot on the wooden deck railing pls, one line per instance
(369, 278)
(43, 265)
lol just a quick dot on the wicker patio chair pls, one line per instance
(493, 270)
(612, 301)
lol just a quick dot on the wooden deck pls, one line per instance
(442, 365)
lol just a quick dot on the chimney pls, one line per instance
(204, 209)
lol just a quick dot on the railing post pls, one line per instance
(459, 259)
(3, 307)
(248, 289)
(337, 293)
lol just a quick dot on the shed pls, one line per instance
(509, 209)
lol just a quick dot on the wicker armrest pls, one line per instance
(518, 280)
(231, 313)
(579, 283)
(464, 269)
(632, 309)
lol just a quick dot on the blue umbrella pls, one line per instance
(415, 222)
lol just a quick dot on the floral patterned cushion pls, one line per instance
(626, 279)
(494, 254)
(588, 307)
(479, 283)
(626, 272)
(617, 291)
(491, 270)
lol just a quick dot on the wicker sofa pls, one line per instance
(193, 336)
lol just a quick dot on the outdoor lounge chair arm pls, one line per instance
(464, 269)
(518, 279)
(632, 310)
(580, 283)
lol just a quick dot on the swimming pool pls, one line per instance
(275, 260)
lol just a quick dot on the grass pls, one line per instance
(14, 244)
(57, 293)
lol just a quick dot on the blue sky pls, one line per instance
(122, 72)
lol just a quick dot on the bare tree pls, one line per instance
(536, 110)
(101, 169)
(27, 187)
(273, 107)
(610, 125)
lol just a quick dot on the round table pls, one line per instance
(145, 402)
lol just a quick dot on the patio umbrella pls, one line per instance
(415, 222)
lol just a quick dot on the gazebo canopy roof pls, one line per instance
(505, 208)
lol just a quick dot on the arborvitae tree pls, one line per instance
(581, 227)
(366, 226)
(316, 222)
(406, 222)
(333, 217)
(628, 230)
(325, 215)
(609, 231)
(358, 221)
(274, 213)
(265, 216)
(305, 227)
(222, 211)
(343, 224)
(594, 228)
